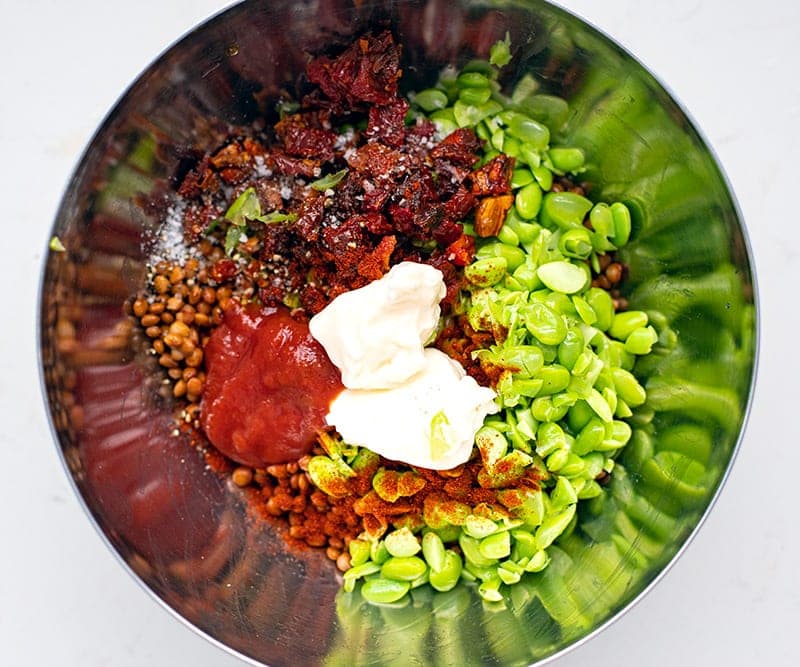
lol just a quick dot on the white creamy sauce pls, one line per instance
(375, 335)
(402, 401)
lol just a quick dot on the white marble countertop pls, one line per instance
(731, 599)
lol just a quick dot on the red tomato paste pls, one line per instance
(269, 386)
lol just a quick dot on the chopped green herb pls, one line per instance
(214, 224)
(232, 238)
(56, 245)
(329, 181)
(245, 207)
(500, 53)
(277, 216)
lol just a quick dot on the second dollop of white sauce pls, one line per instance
(403, 401)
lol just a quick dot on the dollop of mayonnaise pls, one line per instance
(375, 335)
(402, 401)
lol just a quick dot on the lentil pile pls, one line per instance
(344, 186)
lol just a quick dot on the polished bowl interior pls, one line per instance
(186, 535)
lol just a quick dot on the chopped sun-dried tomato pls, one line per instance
(493, 178)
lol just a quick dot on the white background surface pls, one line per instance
(732, 599)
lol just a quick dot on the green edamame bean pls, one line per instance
(579, 415)
(384, 591)
(623, 410)
(602, 219)
(512, 255)
(526, 231)
(402, 542)
(521, 177)
(564, 277)
(524, 544)
(511, 146)
(510, 573)
(557, 460)
(359, 552)
(576, 243)
(571, 347)
(527, 277)
(554, 379)
(496, 546)
(544, 409)
(567, 159)
(472, 80)
(563, 493)
(483, 132)
(600, 302)
(431, 99)
(628, 387)
(624, 323)
(565, 210)
(620, 432)
(641, 340)
(433, 551)
(538, 561)
(598, 403)
(549, 437)
(470, 547)
(507, 236)
(362, 570)
(466, 115)
(590, 437)
(475, 97)
(403, 568)
(552, 526)
(584, 310)
(486, 272)
(528, 201)
(479, 526)
(377, 552)
(573, 466)
(448, 575)
(489, 590)
(528, 130)
(529, 156)
(591, 489)
(544, 177)
(544, 323)
(445, 121)
(622, 223)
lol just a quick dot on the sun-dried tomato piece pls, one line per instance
(387, 123)
(374, 223)
(459, 147)
(446, 232)
(309, 216)
(493, 178)
(374, 159)
(461, 251)
(376, 263)
(347, 243)
(287, 165)
(302, 140)
(402, 218)
(198, 217)
(460, 204)
(199, 180)
(367, 71)
(491, 214)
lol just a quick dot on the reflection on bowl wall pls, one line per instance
(185, 533)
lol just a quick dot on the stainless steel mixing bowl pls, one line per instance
(184, 533)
